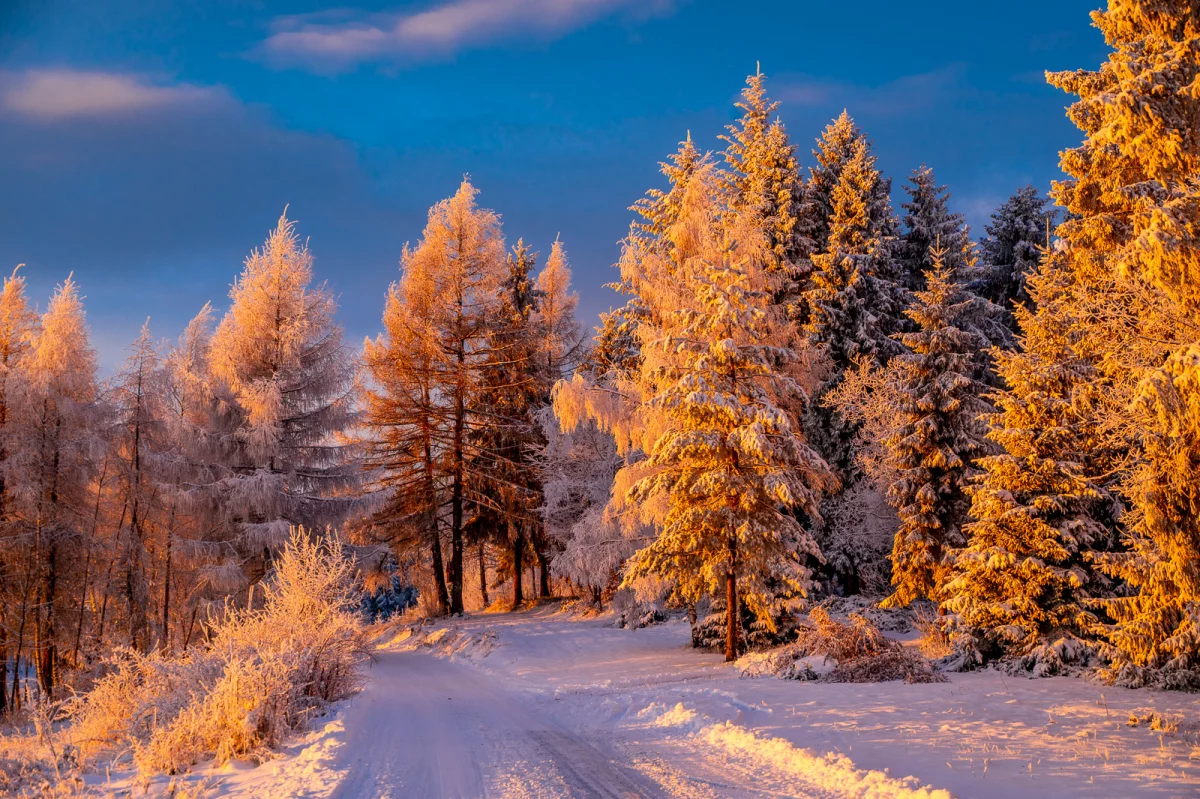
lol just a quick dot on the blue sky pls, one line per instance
(149, 145)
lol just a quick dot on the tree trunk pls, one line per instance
(518, 569)
(691, 617)
(597, 597)
(732, 616)
(166, 619)
(456, 508)
(543, 574)
(435, 538)
(483, 575)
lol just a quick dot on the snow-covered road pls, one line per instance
(428, 728)
(543, 704)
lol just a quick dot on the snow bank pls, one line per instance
(446, 642)
(832, 773)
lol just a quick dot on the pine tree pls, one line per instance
(937, 439)
(280, 355)
(1041, 507)
(852, 302)
(835, 148)
(512, 387)
(1133, 196)
(1012, 249)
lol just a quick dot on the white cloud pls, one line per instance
(439, 30)
(57, 94)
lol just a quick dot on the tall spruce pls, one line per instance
(1042, 507)
(1012, 249)
(1133, 196)
(763, 180)
(938, 436)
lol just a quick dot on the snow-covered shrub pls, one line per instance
(263, 672)
(834, 651)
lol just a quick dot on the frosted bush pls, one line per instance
(263, 673)
(834, 651)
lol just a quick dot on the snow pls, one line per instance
(542, 704)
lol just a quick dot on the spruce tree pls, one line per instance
(763, 180)
(1133, 197)
(1012, 249)
(1041, 507)
(938, 437)
(727, 462)
(929, 224)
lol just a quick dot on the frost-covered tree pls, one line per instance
(461, 260)
(57, 459)
(513, 386)
(937, 438)
(140, 442)
(1041, 507)
(1012, 249)
(834, 150)
(18, 330)
(199, 562)
(852, 301)
(404, 421)
(929, 224)
(279, 353)
(728, 462)
(763, 180)
(1133, 196)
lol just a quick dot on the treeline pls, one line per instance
(128, 507)
(795, 360)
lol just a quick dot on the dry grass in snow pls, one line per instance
(262, 674)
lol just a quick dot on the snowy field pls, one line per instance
(540, 704)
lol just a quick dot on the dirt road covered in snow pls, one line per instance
(540, 704)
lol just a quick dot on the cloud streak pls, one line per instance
(343, 40)
(52, 95)
(902, 96)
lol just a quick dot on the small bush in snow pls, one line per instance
(263, 673)
(833, 651)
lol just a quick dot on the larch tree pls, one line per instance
(279, 353)
(139, 443)
(728, 462)
(1133, 196)
(58, 462)
(402, 415)
(1042, 506)
(937, 438)
(199, 560)
(462, 253)
(560, 339)
(18, 331)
